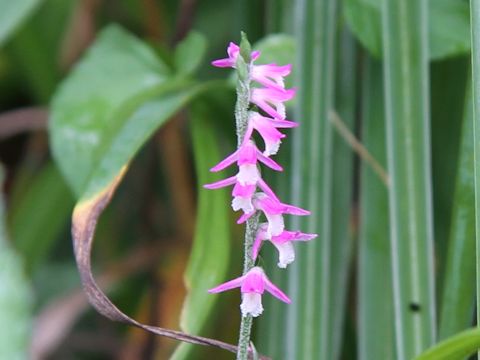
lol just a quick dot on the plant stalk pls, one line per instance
(241, 119)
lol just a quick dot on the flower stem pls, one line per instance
(241, 119)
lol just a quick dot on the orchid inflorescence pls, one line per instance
(269, 99)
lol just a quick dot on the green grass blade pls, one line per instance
(307, 329)
(342, 186)
(475, 22)
(457, 347)
(375, 301)
(458, 293)
(448, 84)
(209, 259)
(405, 46)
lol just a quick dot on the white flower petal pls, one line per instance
(275, 225)
(248, 174)
(286, 254)
(244, 203)
(251, 304)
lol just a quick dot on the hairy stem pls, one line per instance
(241, 118)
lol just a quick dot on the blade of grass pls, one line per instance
(307, 330)
(405, 46)
(375, 301)
(458, 293)
(475, 24)
(342, 186)
(457, 347)
(209, 258)
(448, 84)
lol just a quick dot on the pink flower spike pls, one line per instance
(253, 284)
(271, 100)
(271, 75)
(233, 50)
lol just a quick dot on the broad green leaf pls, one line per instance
(448, 26)
(12, 14)
(307, 329)
(33, 231)
(36, 47)
(94, 127)
(406, 80)
(375, 301)
(457, 347)
(209, 257)
(190, 52)
(15, 300)
(458, 296)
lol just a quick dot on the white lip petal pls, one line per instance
(251, 304)
(248, 174)
(286, 254)
(243, 203)
(275, 225)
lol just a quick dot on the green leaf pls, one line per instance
(307, 329)
(458, 297)
(457, 347)
(12, 14)
(363, 17)
(33, 231)
(342, 186)
(209, 257)
(15, 300)
(190, 52)
(375, 302)
(406, 79)
(475, 18)
(92, 127)
(36, 47)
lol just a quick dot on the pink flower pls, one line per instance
(273, 210)
(282, 242)
(246, 157)
(267, 128)
(252, 285)
(270, 75)
(242, 193)
(271, 100)
(233, 50)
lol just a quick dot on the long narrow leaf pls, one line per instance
(405, 47)
(457, 347)
(475, 22)
(307, 329)
(209, 258)
(458, 293)
(342, 188)
(375, 300)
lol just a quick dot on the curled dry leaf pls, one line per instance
(84, 221)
